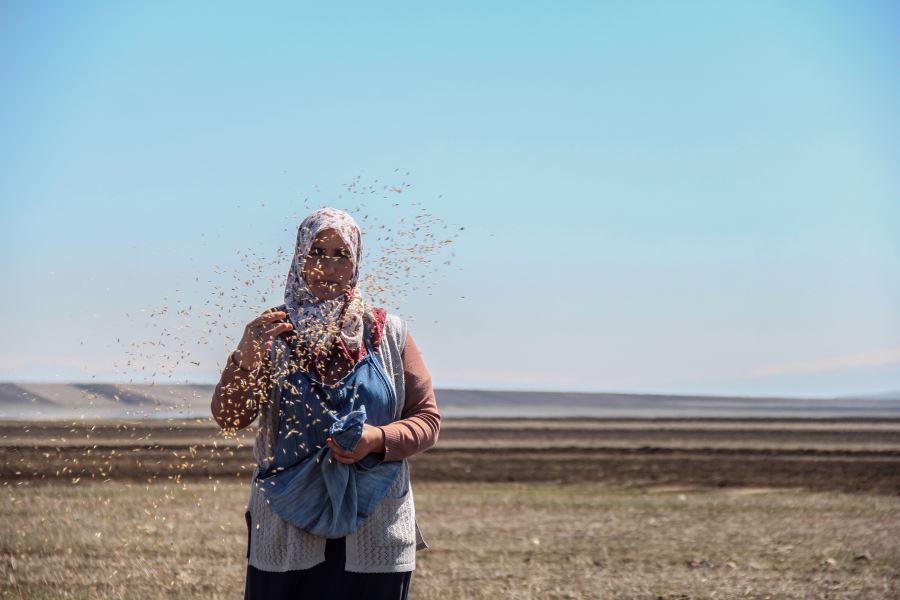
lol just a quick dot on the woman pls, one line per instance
(343, 399)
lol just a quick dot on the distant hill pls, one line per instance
(112, 400)
(500, 403)
(115, 400)
(889, 396)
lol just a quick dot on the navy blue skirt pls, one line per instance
(325, 580)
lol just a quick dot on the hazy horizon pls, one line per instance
(889, 395)
(56, 401)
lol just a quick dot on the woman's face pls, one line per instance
(329, 267)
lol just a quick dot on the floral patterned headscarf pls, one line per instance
(320, 324)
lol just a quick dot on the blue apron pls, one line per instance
(304, 484)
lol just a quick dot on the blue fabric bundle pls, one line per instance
(305, 484)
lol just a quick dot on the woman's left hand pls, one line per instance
(372, 441)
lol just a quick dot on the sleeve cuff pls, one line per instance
(392, 443)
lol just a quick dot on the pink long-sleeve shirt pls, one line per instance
(236, 400)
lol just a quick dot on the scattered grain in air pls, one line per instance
(162, 447)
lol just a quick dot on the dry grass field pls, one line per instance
(588, 509)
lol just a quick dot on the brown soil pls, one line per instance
(851, 455)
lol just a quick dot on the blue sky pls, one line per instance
(687, 197)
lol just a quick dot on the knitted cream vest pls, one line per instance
(387, 540)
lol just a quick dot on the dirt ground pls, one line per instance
(840, 455)
(487, 540)
(662, 509)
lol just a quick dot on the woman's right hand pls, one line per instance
(258, 336)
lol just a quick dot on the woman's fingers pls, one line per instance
(340, 454)
(279, 329)
(347, 460)
(268, 317)
(258, 335)
(343, 459)
(273, 315)
(337, 450)
(259, 328)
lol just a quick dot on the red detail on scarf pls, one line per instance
(378, 327)
(379, 316)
